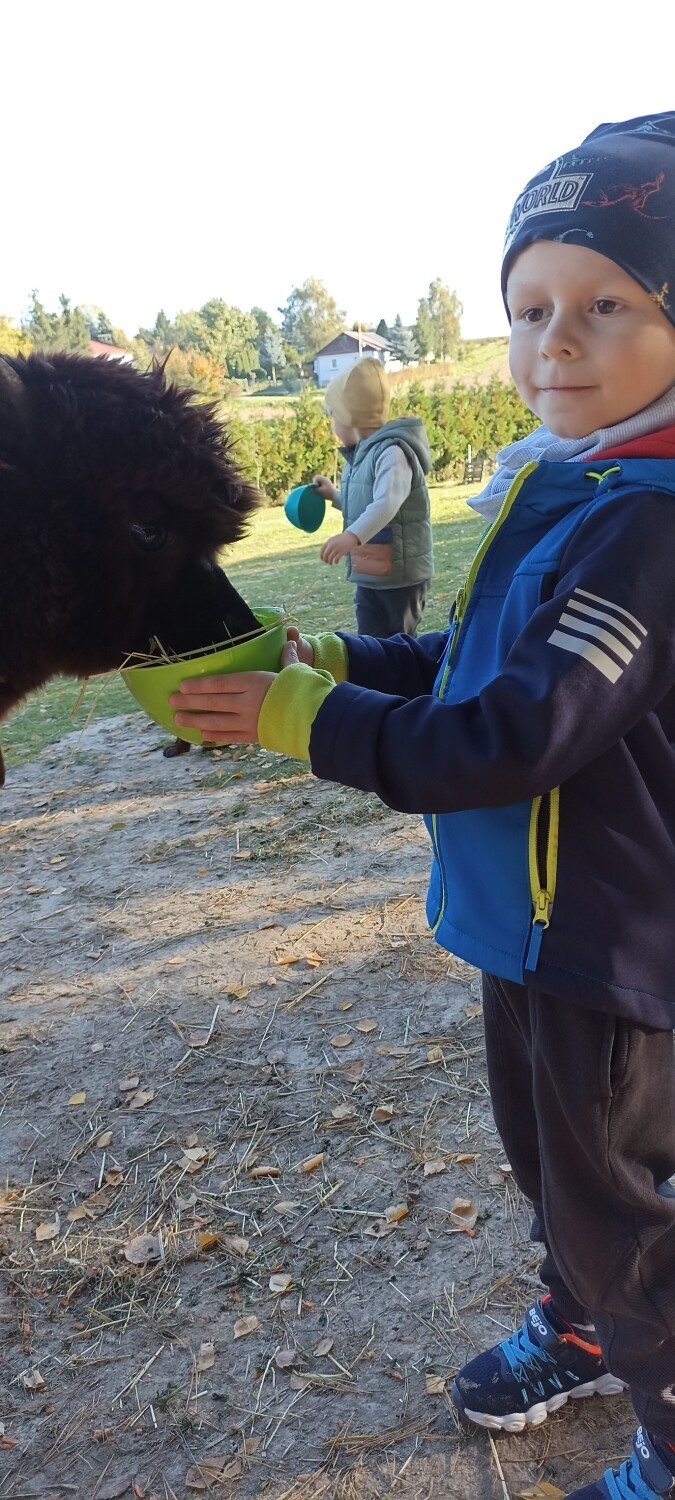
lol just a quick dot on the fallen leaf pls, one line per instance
(354, 1070)
(114, 827)
(366, 1027)
(235, 1243)
(323, 1347)
(244, 1326)
(142, 1248)
(286, 1207)
(265, 1172)
(141, 1098)
(126, 1084)
(386, 1051)
(383, 1113)
(313, 959)
(463, 1158)
(299, 1382)
(97, 1047)
(206, 1357)
(346, 1004)
(288, 958)
(281, 1283)
(211, 1472)
(379, 1228)
(105, 1139)
(74, 1215)
(33, 1381)
(506, 1168)
(207, 1241)
(398, 1212)
(284, 1358)
(184, 1203)
(541, 1491)
(312, 1162)
(114, 1179)
(435, 1384)
(435, 1054)
(463, 1215)
(472, 1010)
(341, 1039)
(199, 1038)
(433, 1167)
(343, 1111)
(195, 1153)
(252, 1444)
(180, 958)
(77, 1098)
(47, 1231)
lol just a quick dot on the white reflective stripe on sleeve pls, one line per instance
(618, 607)
(593, 654)
(587, 627)
(601, 614)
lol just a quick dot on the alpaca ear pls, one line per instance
(13, 396)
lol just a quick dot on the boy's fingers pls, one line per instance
(233, 682)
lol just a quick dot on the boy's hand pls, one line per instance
(338, 546)
(325, 487)
(227, 708)
(303, 651)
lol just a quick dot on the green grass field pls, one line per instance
(273, 565)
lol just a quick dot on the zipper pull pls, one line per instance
(542, 907)
(460, 604)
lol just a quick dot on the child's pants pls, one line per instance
(585, 1106)
(383, 612)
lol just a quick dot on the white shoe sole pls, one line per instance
(606, 1385)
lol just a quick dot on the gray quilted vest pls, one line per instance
(407, 539)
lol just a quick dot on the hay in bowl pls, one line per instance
(152, 679)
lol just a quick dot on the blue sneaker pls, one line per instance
(518, 1382)
(644, 1477)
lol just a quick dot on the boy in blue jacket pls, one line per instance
(537, 736)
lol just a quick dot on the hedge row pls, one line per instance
(280, 452)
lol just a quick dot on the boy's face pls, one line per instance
(348, 436)
(589, 347)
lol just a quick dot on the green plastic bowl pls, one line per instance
(152, 686)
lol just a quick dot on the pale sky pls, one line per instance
(157, 153)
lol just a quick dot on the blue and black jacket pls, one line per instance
(537, 736)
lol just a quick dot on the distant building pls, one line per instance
(344, 351)
(110, 351)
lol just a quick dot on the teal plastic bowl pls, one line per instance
(152, 686)
(305, 507)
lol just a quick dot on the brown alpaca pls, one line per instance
(117, 493)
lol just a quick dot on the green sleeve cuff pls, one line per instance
(330, 655)
(290, 708)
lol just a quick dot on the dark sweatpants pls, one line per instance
(585, 1105)
(383, 612)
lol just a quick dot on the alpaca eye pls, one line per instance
(148, 538)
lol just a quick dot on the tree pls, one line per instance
(403, 342)
(13, 340)
(100, 327)
(382, 329)
(66, 330)
(311, 317)
(424, 329)
(271, 351)
(445, 311)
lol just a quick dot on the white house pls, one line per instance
(344, 351)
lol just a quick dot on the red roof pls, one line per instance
(110, 351)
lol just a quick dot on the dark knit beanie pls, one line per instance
(615, 194)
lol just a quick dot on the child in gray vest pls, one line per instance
(386, 538)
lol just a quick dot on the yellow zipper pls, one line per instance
(542, 882)
(464, 593)
(462, 599)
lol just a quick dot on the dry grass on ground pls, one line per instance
(254, 1210)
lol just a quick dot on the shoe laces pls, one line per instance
(628, 1483)
(523, 1355)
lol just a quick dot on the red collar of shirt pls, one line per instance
(659, 444)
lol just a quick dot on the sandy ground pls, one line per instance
(253, 1209)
